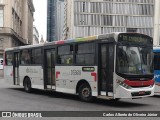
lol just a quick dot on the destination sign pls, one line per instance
(88, 69)
(135, 38)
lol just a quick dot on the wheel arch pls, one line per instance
(25, 79)
(80, 82)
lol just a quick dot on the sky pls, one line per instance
(40, 17)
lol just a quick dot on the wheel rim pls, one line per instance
(26, 86)
(86, 92)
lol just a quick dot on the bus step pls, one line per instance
(105, 97)
(51, 87)
(104, 93)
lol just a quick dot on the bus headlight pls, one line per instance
(123, 84)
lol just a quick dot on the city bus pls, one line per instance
(156, 51)
(108, 66)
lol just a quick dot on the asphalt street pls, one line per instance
(14, 98)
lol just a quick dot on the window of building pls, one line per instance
(65, 54)
(1, 16)
(131, 29)
(146, 9)
(1, 55)
(84, 6)
(1, 42)
(85, 54)
(107, 20)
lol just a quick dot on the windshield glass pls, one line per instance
(134, 60)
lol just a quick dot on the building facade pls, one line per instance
(60, 19)
(55, 20)
(91, 17)
(157, 23)
(16, 24)
(41, 40)
(35, 36)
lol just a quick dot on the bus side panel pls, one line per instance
(8, 74)
(36, 77)
(65, 82)
(35, 73)
(67, 78)
(23, 72)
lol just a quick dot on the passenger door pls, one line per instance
(16, 68)
(106, 67)
(49, 64)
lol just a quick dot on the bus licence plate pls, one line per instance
(142, 92)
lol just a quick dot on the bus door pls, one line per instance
(49, 68)
(106, 67)
(16, 68)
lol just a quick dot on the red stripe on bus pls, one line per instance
(94, 75)
(57, 74)
(139, 83)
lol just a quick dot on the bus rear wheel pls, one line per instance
(85, 92)
(27, 85)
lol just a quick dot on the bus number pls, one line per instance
(75, 72)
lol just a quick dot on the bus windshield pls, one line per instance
(134, 60)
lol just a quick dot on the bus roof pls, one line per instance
(88, 38)
(81, 39)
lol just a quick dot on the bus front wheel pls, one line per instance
(27, 85)
(85, 92)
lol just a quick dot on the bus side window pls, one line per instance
(85, 54)
(69, 60)
(25, 57)
(9, 58)
(59, 59)
(65, 54)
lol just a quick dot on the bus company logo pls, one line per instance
(6, 114)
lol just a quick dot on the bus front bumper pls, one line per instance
(122, 92)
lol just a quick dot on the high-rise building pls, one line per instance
(55, 20)
(35, 36)
(41, 40)
(90, 17)
(157, 23)
(60, 19)
(16, 24)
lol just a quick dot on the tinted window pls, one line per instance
(25, 57)
(36, 56)
(9, 58)
(65, 54)
(85, 54)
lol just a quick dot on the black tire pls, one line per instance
(85, 92)
(27, 85)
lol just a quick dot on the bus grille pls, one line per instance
(141, 93)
